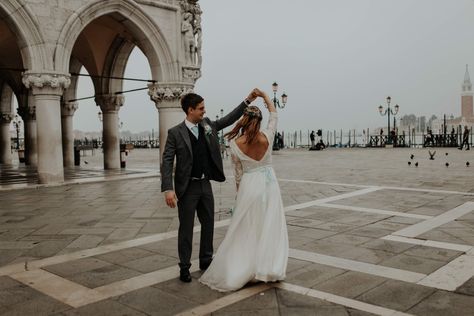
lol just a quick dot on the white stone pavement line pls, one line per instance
(76, 295)
(68, 291)
(37, 264)
(429, 243)
(380, 187)
(329, 183)
(452, 275)
(449, 277)
(423, 227)
(251, 291)
(331, 199)
(147, 174)
(340, 300)
(226, 300)
(352, 265)
(55, 286)
(374, 211)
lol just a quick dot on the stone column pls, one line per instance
(167, 100)
(5, 140)
(67, 113)
(110, 105)
(47, 89)
(28, 115)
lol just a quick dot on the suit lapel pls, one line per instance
(210, 140)
(183, 129)
(205, 135)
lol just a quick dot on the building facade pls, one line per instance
(44, 44)
(466, 96)
(467, 106)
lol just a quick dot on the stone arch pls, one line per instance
(115, 65)
(146, 32)
(22, 23)
(71, 92)
(6, 99)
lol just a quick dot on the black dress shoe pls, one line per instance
(185, 276)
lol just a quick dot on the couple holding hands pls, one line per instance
(255, 247)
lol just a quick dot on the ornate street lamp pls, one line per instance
(100, 116)
(275, 100)
(120, 125)
(17, 125)
(222, 131)
(387, 112)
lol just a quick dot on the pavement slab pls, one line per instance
(350, 284)
(442, 303)
(467, 288)
(396, 295)
(344, 217)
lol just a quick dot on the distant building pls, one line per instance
(467, 105)
(420, 124)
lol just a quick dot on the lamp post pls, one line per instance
(218, 140)
(17, 125)
(276, 103)
(275, 100)
(387, 112)
(222, 131)
(120, 125)
(99, 115)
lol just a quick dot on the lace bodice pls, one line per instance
(243, 163)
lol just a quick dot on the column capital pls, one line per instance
(6, 117)
(68, 108)
(27, 113)
(46, 82)
(168, 92)
(109, 103)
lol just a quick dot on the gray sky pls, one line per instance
(336, 59)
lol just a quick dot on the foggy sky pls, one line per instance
(336, 59)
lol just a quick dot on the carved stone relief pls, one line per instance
(159, 92)
(6, 117)
(192, 32)
(109, 102)
(46, 80)
(68, 108)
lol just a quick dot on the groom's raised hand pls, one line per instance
(171, 199)
(252, 95)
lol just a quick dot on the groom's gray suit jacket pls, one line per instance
(178, 145)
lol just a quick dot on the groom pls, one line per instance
(195, 145)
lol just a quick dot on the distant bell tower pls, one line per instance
(466, 99)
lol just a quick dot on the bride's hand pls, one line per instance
(259, 93)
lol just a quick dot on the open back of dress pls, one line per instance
(256, 243)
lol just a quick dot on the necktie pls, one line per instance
(195, 130)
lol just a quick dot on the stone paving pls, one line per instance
(369, 234)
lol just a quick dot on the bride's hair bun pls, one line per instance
(253, 111)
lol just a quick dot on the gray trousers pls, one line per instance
(197, 198)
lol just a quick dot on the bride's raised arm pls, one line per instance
(273, 118)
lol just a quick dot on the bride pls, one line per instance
(256, 244)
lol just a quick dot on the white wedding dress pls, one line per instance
(256, 244)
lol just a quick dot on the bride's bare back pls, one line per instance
(257, 149)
